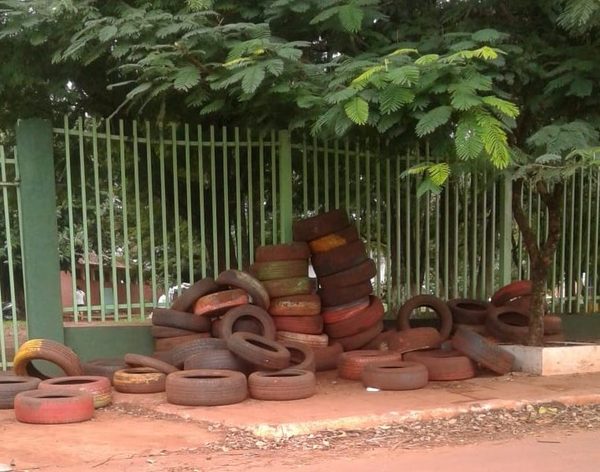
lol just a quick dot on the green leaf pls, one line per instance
(393, 97)
(107, 33)
(464, 99)
(341, 95)
(427, 59)
(139, 90)
(351, 18)
(357, 109)
(581, 88)
(433, 119)
(427, 185)
(274, 67)
(186, 78)
(439, 173)
(494, 139)
(324, 15)
(213, 106)
(503, 106)
(360, 81)
(253, 77)
(405, 75)
(488, 35)
(402, 51)
(467, 140)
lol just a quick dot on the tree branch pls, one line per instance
(554, 224)
(519, 214)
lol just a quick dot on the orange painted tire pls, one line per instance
(334, 314)
(97, 386)
(259, 351)
(339, 259)
(218, 303)
(356, 341)
(301, 356)
(507, 323)
(206, 387)
(242, 280)
(53, 406)
(341, 295)
(11, 385)
(513, 290)
(326, 358)
(222, 359)
(139, 380)
(248, 325)
(180, 319)
(443, 364)
(168, 332)
(483, 351)
(437, 305)
(47, 350)
(291, 286)
(138, 360)
(308, 229)
(333, 240)
(361, 321)
(166, 344)
(552, 325)
(104, 367)
(180, 353)
(396, 375)
(186, 300)
(315, 341)
(296, 305)
(282, 252)
(299, 324)
(366, 270)
(352, 363)
(406, 340)
(288, 384)
(232, 317)
(279, 269)
(468, 311)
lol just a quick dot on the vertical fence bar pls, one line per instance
(304, 176)
(474, 185)
(250, 197)
(388, 234)
(226, 224)
(315, 174)
(238, 200)
(588, 249)
(163, 213)
(446, 240)
(455, 291)
(285, 186)
(398, 231)
(418, 282)
(482, 290)
(125, 219)
(427, 199)
(274, 186)
(357, 186)
(494, 239)
(213, 189)
(466, 240)
(188, 202)
(378, 219)
(578, 278)
(563, 282)
(408, 251)
(368, 193)
(436, 246)
(72, 254)
(138, 221)
(596, 242)
(505, 230)
(326, 174)
(336, 173)
(261, 183)
(203, 248)
(99, 238)
(148, 137)
(111, 216)
(86, 249)
(571, 245)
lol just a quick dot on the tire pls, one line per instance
(164, 356)
(339, 259)
(366, 270)
(180, 353)
(11, 385)
(139, 380)
(218, 303)
(479, 329)
(288, 384)
(338, 313)
(398, 375)
(352, 363)
(513, 290)
(314, 341)
(246, 325)
(350, 343)
(341, 295)
(483, 351)
(299, 324)
(361, 321)
(443, 365)
(166, 344)
(508, 324)
(259, 351)
(180, 319)
(104, 367)
(221, 359)
(524, 303)
(331, 241)
(98, 387)
(468, 311)
(296, 305)
(309, 229)
(437, 305)
(168, 332)
(282, 252)
(186, 300)
(48, 350)
(326, 358)
(137, 360)
(206, 387)
(53, 407)
(301, 356)
(279, 269)
(285, 287)
(235, 315)
(552, 325)
(407, 340)
(242, 280)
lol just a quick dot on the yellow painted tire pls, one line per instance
(47, 350)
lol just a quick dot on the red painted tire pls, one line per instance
(308, 229)
(47, 350)
(285, 287)
(166, 344)
(247, 325)
(137, 360)
(279, 269)
(437, 305)
(186, 300)
(296, 305)
(221, 359)
(333, 240)
(524, 303)
(104, 367)
(139, 380)
(350, 343)
(398, 375)
(301, 356)
(218, 303)
(180, 353)
(468, 311)
(164, 356)
(334, 296)
(180, 319)
(228, 322)
(98, 387)
(352, 363)
(244, 281)
(299, 324)
(508, 324)
(11, 385)
(443, 365)
(206, 387)
(407, 340)
(361, 321)
(53, 407)
(483, 351)
(314, 341)
(288, 384)
(282, 252)
(259, 351)
(326, 358)
(366, 270)
(339, 259)
(513, 290)
(334, 314)
(168, 332)
(552, 325)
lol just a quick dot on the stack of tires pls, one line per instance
(351, 315)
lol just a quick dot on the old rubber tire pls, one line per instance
(483, 351)
(138, 360)
(180, 319)
(513, 290)
(299, 324)
(406, 340)
(247, 325)
(48, 350)
(333, 240)
(169, 332)
(221, 359)
(242, 280)
(333, 314)
(259, 351)
(366, 270)
(296, 305)
(468, 311)
(139, 380)
(361, 321)
(167, 344)
(443, 364)
(552, 325)
(233, 316)
(291, 286)
(301, 356)
(479, 329)
(104, 367)
(10, 385)
(180, 353)
(339, 259)
(341, 295)
(218, 303)
(437, 305)
(186, 300)
(352, 363)
(53, 406)
(398, 375)
(288, 384)
(279, 269)
(282, 252)
(508, 323)
(206, 387)
(308, 229)
(313, 340)
(326, 358)
(356, 341)
(98, 387)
